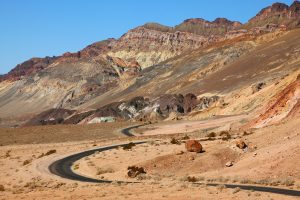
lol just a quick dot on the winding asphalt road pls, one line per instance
(63, 168)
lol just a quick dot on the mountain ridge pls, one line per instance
(198, 26)
(167, 69)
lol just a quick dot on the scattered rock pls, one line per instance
(241, 144)
(229, 164)
(255, 154)
(191, 158)
(133, 171)
(193, 146)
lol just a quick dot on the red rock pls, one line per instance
(193, 146)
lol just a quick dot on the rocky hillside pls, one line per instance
(197, 69)
(276, 15)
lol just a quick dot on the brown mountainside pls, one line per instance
(194, 69)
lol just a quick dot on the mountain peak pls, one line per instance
(157, 26)
(225, 21)
(195, 21)
(278, 14)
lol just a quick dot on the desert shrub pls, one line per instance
(189, 179)
(222, 179)
(2, 188)
(192, 179)
(104, 171)
(143, 177)
(47, 153)
(128, 146)
(26, 162)
(221, 187)
(211, 134)
(186, 137)
(7, 154)
(245, 133)
(225, 135)
(175, 141)
(151, 142)
(50, 152)
(245, 181)
(201, 178)
(288, 182)
(257, 194)
(235, 179)
(76, 167)
(31, 185)
(133, 171)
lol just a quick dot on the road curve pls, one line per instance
(126, 131)
(63, 168)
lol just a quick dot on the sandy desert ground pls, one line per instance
(271, 159)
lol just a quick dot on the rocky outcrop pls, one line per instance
(199, 26)
(153, 43)
(278, 14)
(284, 105)
(153, 61)
(190, 102)
(149, 47)
(206, 102)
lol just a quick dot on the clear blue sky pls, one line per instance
(38, 28)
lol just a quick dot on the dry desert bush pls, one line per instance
(211, 135)
(104, 171)
(128, 146)
(175, 141)
(27, 162)
(225, 135)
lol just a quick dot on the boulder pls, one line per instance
(241, 144)
(193, 146)
(133, 171)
